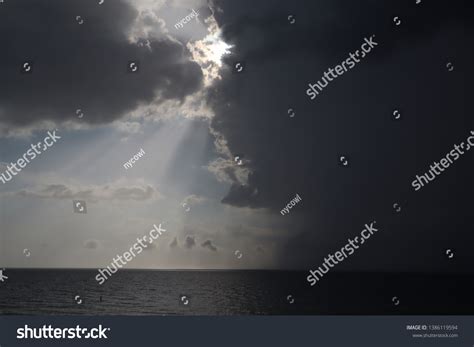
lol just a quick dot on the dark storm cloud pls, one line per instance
(326, 27)
(83, 66)
(352, 116)
(208, 244)
(282, 59)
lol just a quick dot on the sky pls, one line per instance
(193, 113)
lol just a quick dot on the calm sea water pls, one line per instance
(136, 292)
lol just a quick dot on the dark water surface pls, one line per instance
(137, 292)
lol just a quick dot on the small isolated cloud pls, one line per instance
(189, 242)
(91, 244)
(150, 246)
(192, 200)
(115, 191)
(208, 244)
(174, 243)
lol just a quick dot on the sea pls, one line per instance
(181, 292)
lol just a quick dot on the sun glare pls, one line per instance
(209, 51)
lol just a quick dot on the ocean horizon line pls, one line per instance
(345, 272)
